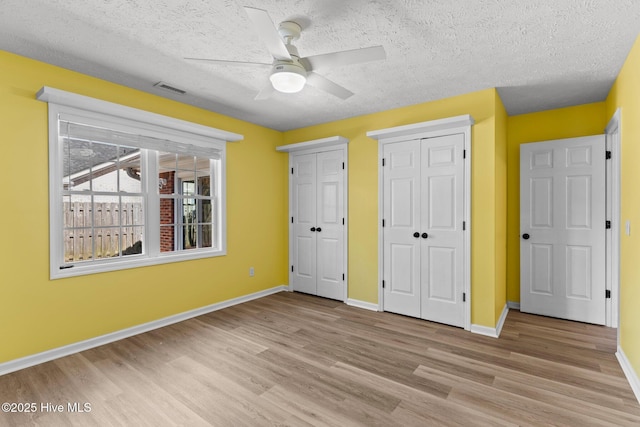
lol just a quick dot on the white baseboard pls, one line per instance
(362, 304)
(513, 305)
(492, 332)
(629, 372)
(56, 353)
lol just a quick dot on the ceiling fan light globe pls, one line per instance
(288, 78)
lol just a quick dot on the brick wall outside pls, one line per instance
(167, 214)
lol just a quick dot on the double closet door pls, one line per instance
(423, 231)
(317, 218)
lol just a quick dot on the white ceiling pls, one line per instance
(540, 54)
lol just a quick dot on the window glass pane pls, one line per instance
(75, 160)
(78, 244)
(189, 221)
(205, 211)
(131, 211)
(204, 183)
(189, 236)
(131, 173)
(166, 182)
(131, 240)
(202, 164)
(107, 241)
(77, 211)
(167, 238)
(205, 231)
(188, 187)
(101, 173)
(167, 211)
(186, 162)
(106, 210)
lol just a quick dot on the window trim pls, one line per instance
(97, 111)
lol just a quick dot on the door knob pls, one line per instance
(425, 235)
(416, 234)
(525, 236)
(318, 229)
(313, 229)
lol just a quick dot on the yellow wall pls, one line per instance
(363, 191)
(625, 95)
(37, 314)
(567, 122)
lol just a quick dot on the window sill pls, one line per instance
(81, 269)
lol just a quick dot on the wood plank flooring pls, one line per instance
(293, 359)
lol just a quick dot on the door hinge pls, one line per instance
(292, 268)
(464, 154)
(342, 276)
(342, 165)
(607, 224)
(608, 155)
(383, 161)
(383, 222)
(464, 225)
(464, 297)
(291, 171)
(383, 284)
(607, 293)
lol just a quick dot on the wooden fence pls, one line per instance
(112, 228)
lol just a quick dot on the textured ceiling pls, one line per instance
(540, 54)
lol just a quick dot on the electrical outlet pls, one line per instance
(251, 272)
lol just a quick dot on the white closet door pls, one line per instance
(329, 224)
(401, 231)
(442, 238)
(562, 225)
(304, 214)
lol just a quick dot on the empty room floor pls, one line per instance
(294, 359)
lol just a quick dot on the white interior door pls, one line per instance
(423, 248)
(401, 194)
(562, 228)
(304, 215)
(442, 238)
(329, 224)
(318, 224)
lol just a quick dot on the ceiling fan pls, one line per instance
(290, 72)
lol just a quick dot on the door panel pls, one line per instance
(541, 269)
(401, 205)
(442, 202)
(329, 211)
(304, 240)
(562, 209)
(541, 203)
(441, 216)
(578, 272)
(441, 280)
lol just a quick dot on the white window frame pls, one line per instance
(122, 118)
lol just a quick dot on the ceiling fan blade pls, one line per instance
(323, 83)
(225, 62)
(267, 31)
(346, 57)
(265, 93)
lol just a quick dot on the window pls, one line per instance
(130, 188)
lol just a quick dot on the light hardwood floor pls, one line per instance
(294, 359)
